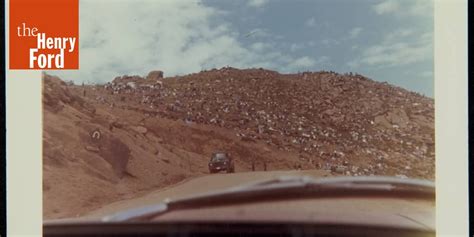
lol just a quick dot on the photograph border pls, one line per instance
(24, 131)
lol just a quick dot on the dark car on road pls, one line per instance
(221, 161)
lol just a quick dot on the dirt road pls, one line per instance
(203, 184)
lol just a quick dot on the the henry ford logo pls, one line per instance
(46, 59)
(44, 34)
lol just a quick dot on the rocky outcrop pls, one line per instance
(316, 114)
(56, 94)
(154, 75)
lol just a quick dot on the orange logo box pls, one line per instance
(44, 34)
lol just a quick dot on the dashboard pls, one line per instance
(226, 229)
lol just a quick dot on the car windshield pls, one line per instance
(219, 157)
(177, 99)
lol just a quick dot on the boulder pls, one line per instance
(339, 169)
(154, 75)
(139, 129)
(92, 149)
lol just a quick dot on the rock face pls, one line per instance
(57, 95)
(126, 79)
(117, 154)
(154, 75)
(139, 129)
(315, 114)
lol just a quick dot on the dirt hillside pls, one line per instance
(104, 143)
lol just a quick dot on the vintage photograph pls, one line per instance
(244, 117)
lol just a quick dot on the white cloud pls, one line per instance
(302, 62)
(328, 42)
(322, 60)
(353, 64)
(400, 33)
(305, 63)
(421, 7)
(407, 45)
(258, 33)
(310, 22)
(388, 6)
(408, 8)
(355, 32)
(296, 46)
(260, 46)
(257, 3)
(302, 45)
(176, 36)
(398, 48)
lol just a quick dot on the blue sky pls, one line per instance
(386, 40)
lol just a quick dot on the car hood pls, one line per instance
(376, 200)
